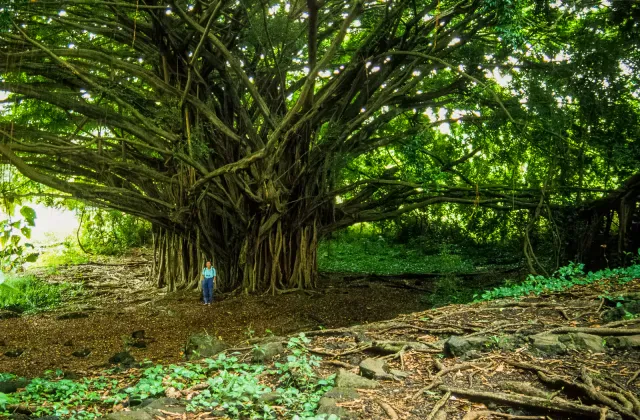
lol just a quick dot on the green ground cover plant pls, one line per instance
(28, 294)
(564, 278)
(377, 255)
(234, 387)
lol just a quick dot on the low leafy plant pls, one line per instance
(564, 278)
(30, 294)
(234, 388)
(376, 255)
(14, 250)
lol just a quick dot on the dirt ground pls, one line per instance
(118, 301)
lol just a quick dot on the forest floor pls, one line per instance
(550, 356)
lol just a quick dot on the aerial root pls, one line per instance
(555, 405)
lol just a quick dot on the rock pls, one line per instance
(588, 342)
(138, 335)
(49, 418)
(392, 347)
(8, 314)
(269, 397)
(346, 379)
(471, 355)
(8, 387)
(548, 344)
(18, 416)
(81, 353)
(74, 315)
(374, 369)
(14, 353)
(327, 406)
(171, 405)
(457, 346)
(130, 415)
(123, 358)
(203, 345)
(342, 394)
(139, 344)
(399, 374)
(624, 342)
(267, 352)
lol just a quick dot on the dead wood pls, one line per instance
(475, 415)
(594, 331)
(388, 409)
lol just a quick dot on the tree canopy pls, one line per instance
(248, 129)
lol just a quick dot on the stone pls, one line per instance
(74, 315)
(346, 379)
(548, 344)
(588, 342)
(203, 345)
(138, 335)
(457, 346)
(81, 353)
(374, 369)
(123, 358)
(267, 352)
(49, 418)
(471, 355)
(11, 386)
(342, 394)
(139, 344)
(328, 406)
(170, 405)
(399, 374)
(14, 353)
(624, 342)
(18, 416)
(8, 314)
(130, 415)
(269, 397)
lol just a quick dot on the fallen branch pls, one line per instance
(555, 405)
(388, 409)
(340, 364)
(594, 331)
(474, 415)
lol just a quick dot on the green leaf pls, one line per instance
(29, 215)
(26, 232)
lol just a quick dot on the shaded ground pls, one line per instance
(557, 356)
(118, 301)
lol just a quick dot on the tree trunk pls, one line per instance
(272, 257)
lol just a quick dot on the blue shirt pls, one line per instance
(209, 273)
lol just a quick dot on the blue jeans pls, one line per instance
(207, 290)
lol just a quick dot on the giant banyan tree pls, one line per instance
(236, 127)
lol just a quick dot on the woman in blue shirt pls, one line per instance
(208, 280)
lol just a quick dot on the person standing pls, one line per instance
(208, 282)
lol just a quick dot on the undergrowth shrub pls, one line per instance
(30, 294)
(373, 254)
(235, 388)
(111, 232)
(565, 277)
